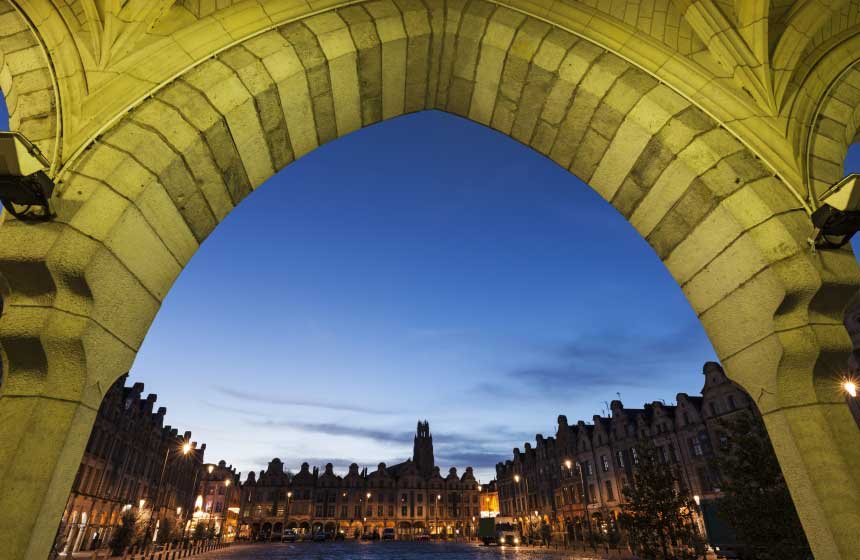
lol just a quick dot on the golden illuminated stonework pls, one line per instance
(711, 126)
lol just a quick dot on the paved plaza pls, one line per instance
(392, 550)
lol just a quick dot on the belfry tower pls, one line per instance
(422, 449)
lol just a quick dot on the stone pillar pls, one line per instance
(41, 445)
(58, 361)
(791, 362)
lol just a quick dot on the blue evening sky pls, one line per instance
(427, 267)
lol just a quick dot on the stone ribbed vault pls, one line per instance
(711, 126)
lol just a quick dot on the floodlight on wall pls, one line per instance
(25, 187)
(838, 217)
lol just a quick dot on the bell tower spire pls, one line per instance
(422, 449)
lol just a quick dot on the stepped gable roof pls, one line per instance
(697, 401)
(664, 409)
(381, 472)
(436, 476)
(304, 475)
(468, 476)
(328, 478)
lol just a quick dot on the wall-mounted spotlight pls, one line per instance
(838, 218)
(25, 187)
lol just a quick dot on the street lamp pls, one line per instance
(368, 508)
(193, 490)
(849, 387)
(516, 498)
(436, 520)
(185, 449)
(287, 518)
(585, 497)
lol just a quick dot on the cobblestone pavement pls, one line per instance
(391, 551)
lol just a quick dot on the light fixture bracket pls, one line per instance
(837, 218)
(25, 187)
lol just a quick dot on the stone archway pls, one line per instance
(143, 186)
(29, 84)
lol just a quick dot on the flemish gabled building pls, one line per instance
(411, 497)
(121, 470)
(489, 499)
(217, 502)
(577, 478)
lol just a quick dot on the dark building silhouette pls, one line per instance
(574, 481)
(411, 497)
(422, 450)
(121, 469)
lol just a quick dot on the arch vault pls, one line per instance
(710, 126)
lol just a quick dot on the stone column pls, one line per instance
(780, 336)
(59, 358)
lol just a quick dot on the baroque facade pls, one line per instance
(489, 499)
(574, 481)
(411, 497)
(132, 461)
(217, 504)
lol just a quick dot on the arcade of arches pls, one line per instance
(711, 125)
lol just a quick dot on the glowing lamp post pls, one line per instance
(516, 499)
(185, 449)
(368, 508)
(436, 517)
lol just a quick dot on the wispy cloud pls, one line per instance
(452, 449)
(601, 359)
(268, 397)
(478, 460)
(333, 429)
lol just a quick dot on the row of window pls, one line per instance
(328, 510)
(326, 497)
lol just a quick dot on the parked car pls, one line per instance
(388, 534)
(319, 536)
(289, 535)
(423, 537)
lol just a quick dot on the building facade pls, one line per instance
(218, 499)
(411, 497)
(489, 499)
(132, 462)
(574, 481)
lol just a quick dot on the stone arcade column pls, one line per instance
(58, 360)
(792, 371)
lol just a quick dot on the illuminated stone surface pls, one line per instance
(710, 126)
